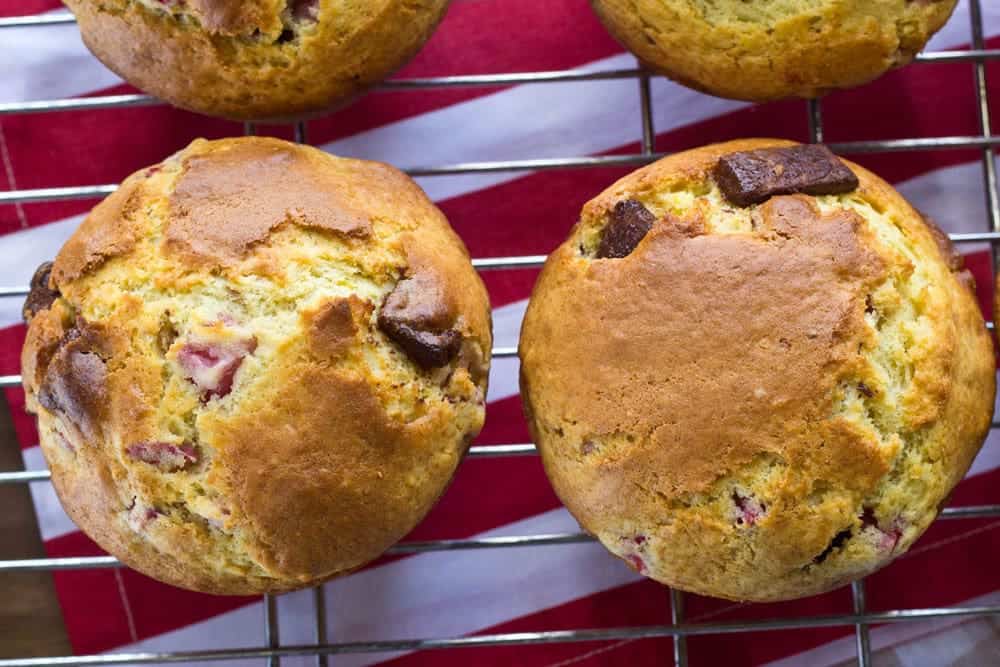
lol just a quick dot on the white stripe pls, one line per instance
(52, 519)
(241, 628)
(909, 652)
(529, 121)
(22, 252)
(429, 595)
(504, 371)
(48, 62)
(955, 197)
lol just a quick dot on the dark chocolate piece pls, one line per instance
(752, 177)
(415, 317)
(40, 296)
(428, 349)
(75, 382)
(630, 222)
(837, 542)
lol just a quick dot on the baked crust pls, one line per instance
(763, 51)
(756, 403)
(215, 399)
(258, 60)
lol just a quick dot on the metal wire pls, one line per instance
(272, 636)
(520, 638)
(506, 542)
(463, 81)
(272, 650)
(646, 115)
(300, 133)
(677, 619)
(861, 629)
(815, 121)
(319, 623)
(983, 107)
(545, 164)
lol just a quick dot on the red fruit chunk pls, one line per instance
(750, 509)
(305, 10)
(887, 539)
(212, 366)
(140, 516)
(163, 455)
(637, 563)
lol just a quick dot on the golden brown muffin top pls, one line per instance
(798, 353)
(772, 49)
(238, 384)
(259, 60)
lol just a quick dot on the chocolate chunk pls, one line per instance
(752, 177)
(630, 222)
(75, 383)
(40, 296)
(415, 317)
(429, 350)
(837, 542)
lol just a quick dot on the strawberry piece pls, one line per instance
(164, 455)
(212, 364)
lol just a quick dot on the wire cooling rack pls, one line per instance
(271, 649)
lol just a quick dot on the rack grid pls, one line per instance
(271, 648)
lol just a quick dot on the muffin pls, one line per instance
(772, 49)
(255, 60)
(754, 371)
(256, 366)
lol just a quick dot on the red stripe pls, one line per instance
(527, 216)
(93, 609)
(95, 612)
(509, 285)
(174, 608)
(11, 342)
(487, 493)
(29, 7)
(981, 266)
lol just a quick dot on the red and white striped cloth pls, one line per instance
(509, 590)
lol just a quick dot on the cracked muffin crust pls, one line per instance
(259, 59)
(755, 401)
(773, 49)
(256, 366)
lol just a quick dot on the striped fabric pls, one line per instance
(497, 214)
